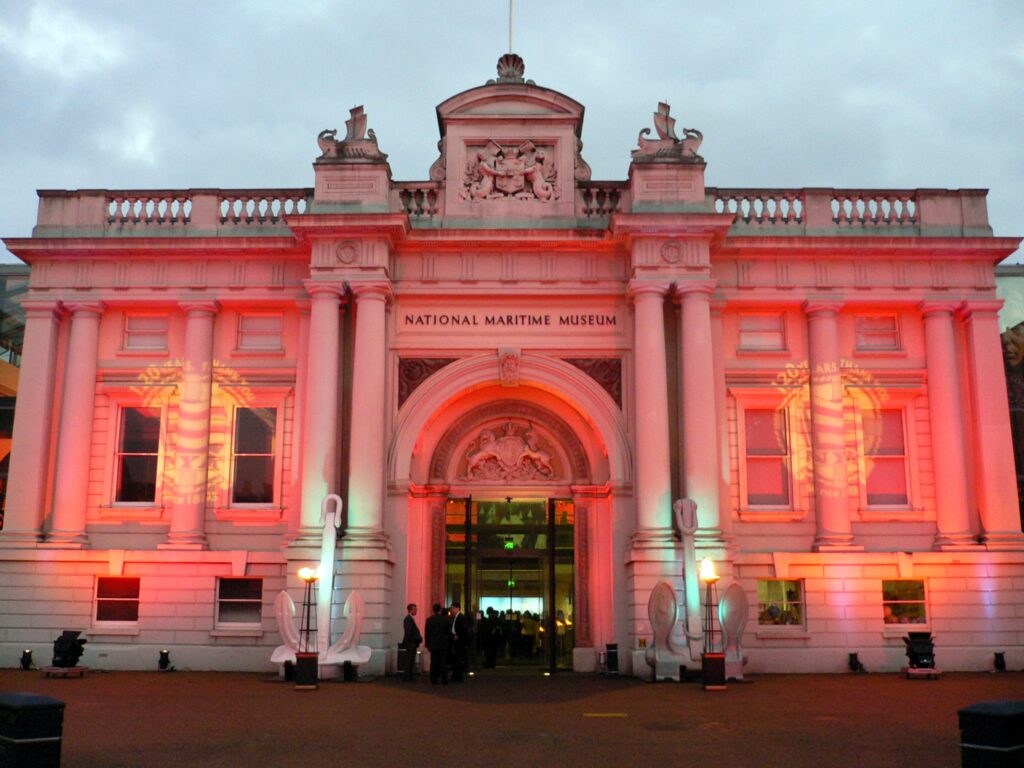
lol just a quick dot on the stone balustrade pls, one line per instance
(600, 198)
(807, 211)
(421, 200)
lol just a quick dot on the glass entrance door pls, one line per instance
(509, 562)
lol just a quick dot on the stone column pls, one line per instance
(652, 463)
(193, 445)
(29, 468)
(320, 426)
(74, 437)
(828, 441)
(299, 419)
(952, 517)
(721, 411)
(997, 488)
(367, 451)
(700, 426)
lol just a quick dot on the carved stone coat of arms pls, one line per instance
(523, 172)
(515, 455)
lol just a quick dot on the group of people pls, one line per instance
(448, 640)
(509, 635)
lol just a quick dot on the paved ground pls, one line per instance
(520, 720)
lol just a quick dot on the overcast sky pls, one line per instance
(174, 94)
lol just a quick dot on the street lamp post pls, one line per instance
(712, 662)
(307, 660)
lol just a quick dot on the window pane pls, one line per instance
(261, 323)
(239, 613)
(254, 430)
(780, 601)
(877, 332)
(117, 587)
(140, 430)
(117, 610)
(767, 482)
(147, 323)
(136, 478)
(883, 432)
(903, 590)
(762, 332)
(766, 432)
(241, 589)
(887, 481)
(254, 480)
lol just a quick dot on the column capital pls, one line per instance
(303, 305)
(324, 287)
(85, 307)
(371, 289)
(980, 308)
(822, 307)
(691, 288)
(637, 288)
(199, 305)
(938, 307)
(42, 308)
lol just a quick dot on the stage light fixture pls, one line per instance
(855, 665)
(999, 661)
(26, 659)
(165, 660)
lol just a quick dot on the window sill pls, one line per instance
(879, 353)
(127, 512)
(155, 352)
(97, 631)
(222, 632)
(769, 515)
(782, 633)
(883, 514)
(899, 631)
(260, 514)
(751, 352)
(278, 352)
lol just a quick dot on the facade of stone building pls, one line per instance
(516, 378)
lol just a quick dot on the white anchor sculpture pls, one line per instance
(347, 648)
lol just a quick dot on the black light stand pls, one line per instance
(307, 660)
(712, 662)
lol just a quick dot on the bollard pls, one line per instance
(992, 735)
(31, 728)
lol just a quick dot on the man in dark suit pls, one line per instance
(439, 641)
(460, 641)
(411, 639)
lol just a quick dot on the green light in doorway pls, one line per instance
(511, 582)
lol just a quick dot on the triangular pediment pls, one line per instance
(508, 100)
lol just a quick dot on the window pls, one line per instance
(6, 433)
(259, 333)
(877, 333)
(885, 456)
(762, 332)
(239, 601)
(903, 602)
(253, 459)
(117, 599)
(767, 457)
(145, 332)
(138, 447)
(780, 602)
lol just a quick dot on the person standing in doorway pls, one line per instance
(460, 641)
(439, 641)
(411, 639)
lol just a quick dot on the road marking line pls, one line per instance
(605, 714)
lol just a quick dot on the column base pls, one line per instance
(1008, 541)
(65, 540)
(367, 544)
(192, 541)
(653, 538)
(306, 537)
(20, 539)
(956, 542)
(836, 543)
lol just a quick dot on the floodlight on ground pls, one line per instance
(26, 659)
(999, 661)
(68, 649)
(855, 664)
(165, 660)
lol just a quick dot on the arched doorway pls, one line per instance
(475, 466)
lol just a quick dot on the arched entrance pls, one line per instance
(509, 498)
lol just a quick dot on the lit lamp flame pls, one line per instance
(707, 571)
(309, 575)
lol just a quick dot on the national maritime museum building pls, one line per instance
(515, 387)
